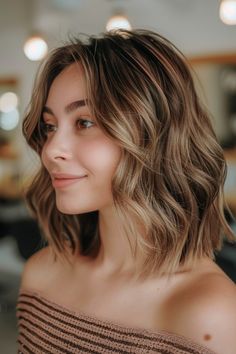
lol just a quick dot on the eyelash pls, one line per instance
(47, 128)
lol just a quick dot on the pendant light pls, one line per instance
(35, 47)
(118, 21)
(228, 12)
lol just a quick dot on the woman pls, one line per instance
(130, 199)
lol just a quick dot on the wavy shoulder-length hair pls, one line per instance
(172, 171)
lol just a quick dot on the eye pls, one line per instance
(47, 128)
(84, 123)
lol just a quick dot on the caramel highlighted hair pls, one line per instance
(172, 171)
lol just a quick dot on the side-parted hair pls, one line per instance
(172, 171)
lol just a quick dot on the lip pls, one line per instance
(60, 180)
(65, 175)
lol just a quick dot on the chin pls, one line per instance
(72, 210)
(69, 210)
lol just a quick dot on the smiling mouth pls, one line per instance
(64, 182)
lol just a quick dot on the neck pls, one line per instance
(115, 253)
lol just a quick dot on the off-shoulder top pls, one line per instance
(47, 327)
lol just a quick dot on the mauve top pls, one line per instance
(47, 327)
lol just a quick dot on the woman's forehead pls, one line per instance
(69, 86)
(72, 74)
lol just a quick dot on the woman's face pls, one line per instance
(76, 146)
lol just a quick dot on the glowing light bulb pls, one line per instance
(118, 22)
(35, 48)
(228, 12)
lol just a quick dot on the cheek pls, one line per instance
(43, 157)
(103, 157)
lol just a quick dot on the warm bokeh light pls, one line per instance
(228, 12)
(9, 120)
(8, 102)
(35, 48)
(118, 22)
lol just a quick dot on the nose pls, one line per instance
(58, 147)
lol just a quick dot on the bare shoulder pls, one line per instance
(43, 268)
(35, 268)
(204, 309)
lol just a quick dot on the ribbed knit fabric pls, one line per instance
(47, 327)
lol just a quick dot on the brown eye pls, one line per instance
(47, 128)
(84, 123)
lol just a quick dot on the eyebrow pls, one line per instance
(69, 108)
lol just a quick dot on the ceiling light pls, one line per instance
(35, 48)
(118, 22)
(228, 12)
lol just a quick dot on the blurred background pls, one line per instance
(205, 31)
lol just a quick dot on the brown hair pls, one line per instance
(142, 94)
